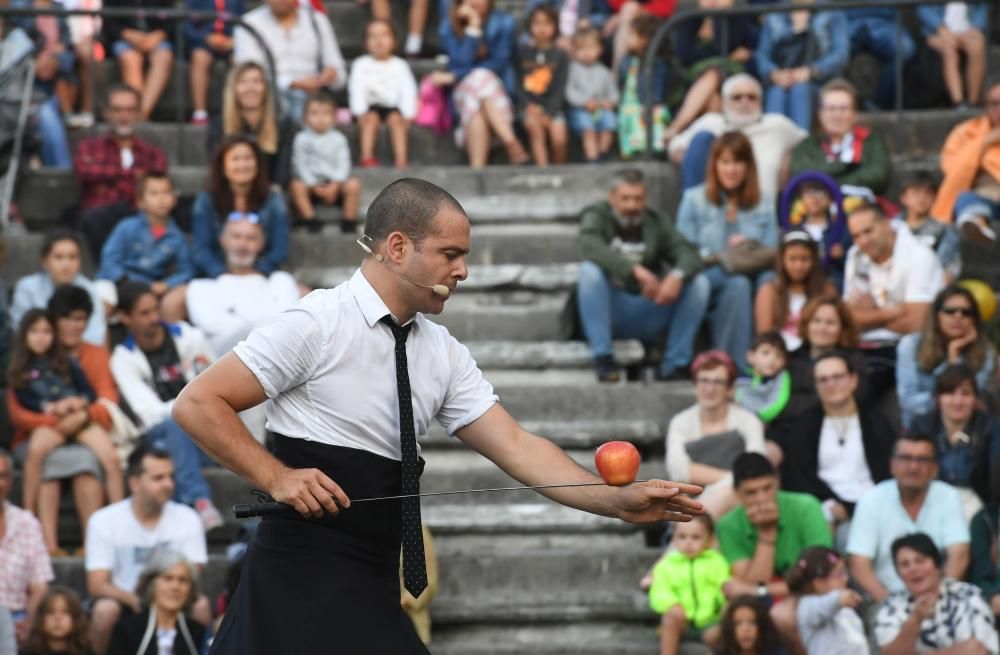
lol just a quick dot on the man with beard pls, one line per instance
(772, 135)
(228, 307)
(638, 274)
(108, 168)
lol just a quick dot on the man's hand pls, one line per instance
(670, 289)
(861, 301)
(649, 284)
(658, 500)
(849, 598)
(309, 491)
(764, 516)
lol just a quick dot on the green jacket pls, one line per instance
(872, 171)
(666, 249)
(694, 584)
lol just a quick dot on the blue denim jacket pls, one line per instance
(132, 252)
(35, 290)
(829, 32)
(932, 16)
(915, 386)
(463, 52)
(206, 227)
(704, 224)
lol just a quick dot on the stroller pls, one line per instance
(18, 103)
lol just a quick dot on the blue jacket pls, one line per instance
(915, 386)
(932, 16)
(830, 35)
(704, 224)
(463, 52)
(132, 252)
(195, 31)
(206, 227)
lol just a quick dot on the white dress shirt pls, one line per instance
(328, 368)
(842, 466)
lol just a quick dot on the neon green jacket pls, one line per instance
(694, 584)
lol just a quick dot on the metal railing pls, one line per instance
(656, 43)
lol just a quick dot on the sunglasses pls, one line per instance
(236, 217)
(740, 97)
(964, 312)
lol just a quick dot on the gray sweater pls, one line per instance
(586, 83)
(827, 628)
(319, 158)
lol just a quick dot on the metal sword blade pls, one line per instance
(478, 491)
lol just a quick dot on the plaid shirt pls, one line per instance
(24, 559)
(103, 181)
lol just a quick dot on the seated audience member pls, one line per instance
(727, 213)
(953, 333)
(382, 89)
(592, 96)
(109, 166)
(615, 19)
(302, 45)
(968, 439)
(45, 381)
(25, 567)
(956, 30)
(709, 49)
(873, 30)
(62, 257)
(849, 153)
(799, 278)
(142, 41)
(891, 280)
(812, 202)
(60, 625)
(418, 609)
(69, 308)
(772, 135)
(150, 248)
(970, 161)
(912, 501)
(917, 198)
(767, 389)
(796, 52)
(934, 612)
(238, 190)
(838, 450)
(633, 132)
(687, 587)
(321, 167)
(637, 274)
(479, 42)
(598, 16)
(228, 307)
(416, 23)
(825, 614)
(151, 367)
(762, 538)
(747, 628)
(984, 571)
(248, 110)
(167, 590)
(541, 88)
(123, 538)
(705, 439)
(207, 40)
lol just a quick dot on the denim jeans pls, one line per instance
(730, 312)
(796, 102)
(970, 203)
(877, 36)
(188, 460)
(608, 312)
(694, 168)
(52, 133)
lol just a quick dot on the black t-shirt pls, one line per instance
(168, 375)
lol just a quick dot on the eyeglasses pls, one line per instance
(236, 217)
(836, 378)
(740, 97)
(711, 382)
(922, 460)
(837, 109)
(964, 312)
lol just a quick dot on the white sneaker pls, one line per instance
(82, 120)
(210, 516)
(975, 229)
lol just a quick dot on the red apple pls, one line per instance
(617, 462)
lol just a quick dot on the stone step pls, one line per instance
(547, 354)
(576, 638)
(646, 434)
(497, 277)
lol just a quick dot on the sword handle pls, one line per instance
(252, 510)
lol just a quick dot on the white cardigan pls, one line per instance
(685, 427)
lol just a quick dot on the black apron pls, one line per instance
(329, 585)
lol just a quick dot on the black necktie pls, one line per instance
(414, 568)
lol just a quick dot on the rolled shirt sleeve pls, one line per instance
(469, 395)
(284, 352)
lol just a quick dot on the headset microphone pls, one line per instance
(438, 289)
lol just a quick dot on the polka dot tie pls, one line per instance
(414, 567)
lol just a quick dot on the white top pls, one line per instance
(228, 307)
(388, 83)
(771, 137)
(790, 330)
(117, 542)
(956, 17)
(685, 427)
(913, 274)
(844, 467)
(328, 368)
(295, 51)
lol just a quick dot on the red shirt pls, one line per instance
(660, 8)
(103, 180)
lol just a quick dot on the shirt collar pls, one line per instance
(369, 302)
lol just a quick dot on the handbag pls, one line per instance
(748, 257)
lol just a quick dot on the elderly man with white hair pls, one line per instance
(772, 135)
